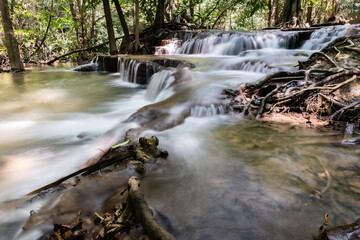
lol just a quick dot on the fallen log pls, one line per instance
(144, 151)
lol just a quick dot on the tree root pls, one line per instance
(321, 88)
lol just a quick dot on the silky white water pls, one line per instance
(225, 177)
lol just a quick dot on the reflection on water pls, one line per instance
(243, 180)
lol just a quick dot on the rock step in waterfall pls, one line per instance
(234, 43)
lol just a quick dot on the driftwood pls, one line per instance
(143, 152)
(345, 232)
(134, 210)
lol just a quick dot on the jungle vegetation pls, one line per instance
(45, 29)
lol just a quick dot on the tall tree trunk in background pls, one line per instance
(159, 18)
(317, 16)
(191, 8)
(81, 13)
(110, 28)
(93, 24)
(270, 13)
(12, 5)
(309, 12)
(122, 21)
(275, 12)
(291, 13)
(326, 12)
(335, 8)
(76, 22)
(136, 26)
(10, 39)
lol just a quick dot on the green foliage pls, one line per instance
(80, 24)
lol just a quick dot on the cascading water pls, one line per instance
(160, 82)
(322, 37)
(207, 111)
(128, 69)
(233, 43)
(258, 67)
(225, 177)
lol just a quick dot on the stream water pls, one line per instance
(226, 177)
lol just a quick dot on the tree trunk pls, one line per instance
(291, 13)
(270, 13)
(159, 18)
(127, 39)
(191, 8)
(275, 15)
(11, 43)
(93, 24)
(317, 16)
(326, 13)
(109, 27)
(136, 26)
(309, 12)
(335, 8)
(76, 22)
(12, 7)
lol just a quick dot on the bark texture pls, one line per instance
(126, 39)
(110, 28)
(159, 18)
(291, 13)
(11, 43)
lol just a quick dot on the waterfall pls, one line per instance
(322, 37)
(258, 67)
(168, 47)
(158, 88)
(219, 43)
(128, 69)
(207, 111)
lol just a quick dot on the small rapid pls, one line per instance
(226, 177)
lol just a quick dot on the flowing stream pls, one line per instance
(225, 178)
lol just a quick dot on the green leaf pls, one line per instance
(120, 144)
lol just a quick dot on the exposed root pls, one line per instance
(323, 86)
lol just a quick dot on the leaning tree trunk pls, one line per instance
(110, 28)
(126, 41)
(159, 18)
(291, 14)
(11, 43)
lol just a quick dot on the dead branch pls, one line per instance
(80, 50)
(88, 170)
(343, 109)
(143, 214)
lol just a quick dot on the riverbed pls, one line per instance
(226, 177)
